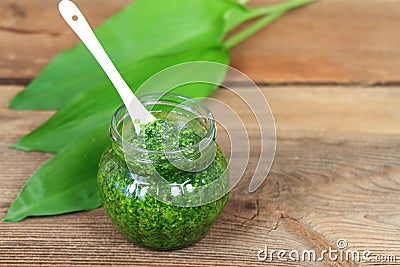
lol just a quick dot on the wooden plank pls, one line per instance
(32, 32)
(335, 41)
(328, 41)
(336, 175)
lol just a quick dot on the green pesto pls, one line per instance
(144, 219)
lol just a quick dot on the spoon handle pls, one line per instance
(78, 23)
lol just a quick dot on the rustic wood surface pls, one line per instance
(330, 72)
(331, 41)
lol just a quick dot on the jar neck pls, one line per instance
(189, 110)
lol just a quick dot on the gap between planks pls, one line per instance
(25, 81)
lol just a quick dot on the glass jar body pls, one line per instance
(126, 190)
(146, 220)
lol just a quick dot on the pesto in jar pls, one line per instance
(127, 185)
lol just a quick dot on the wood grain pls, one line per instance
(336, 175)
(331, 41)
(330, 72)
(32, 32)
(337, 41)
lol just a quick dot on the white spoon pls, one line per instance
(75, 19)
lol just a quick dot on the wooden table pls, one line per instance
(331, 73)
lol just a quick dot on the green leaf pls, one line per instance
(146, 28)
(135, 34)
(63, 184)
(189, 31)
(68, 181)
(94, 107)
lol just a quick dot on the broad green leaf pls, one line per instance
(66, 183)
(189, 31)
(94, 107)
(146, 28)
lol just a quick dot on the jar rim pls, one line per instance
(209, 136)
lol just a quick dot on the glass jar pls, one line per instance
(168, 195)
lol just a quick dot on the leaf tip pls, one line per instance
(20, 146)
(24, 101)
(8, 218)
(15, 145)
(14, 215)
(15, 101)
